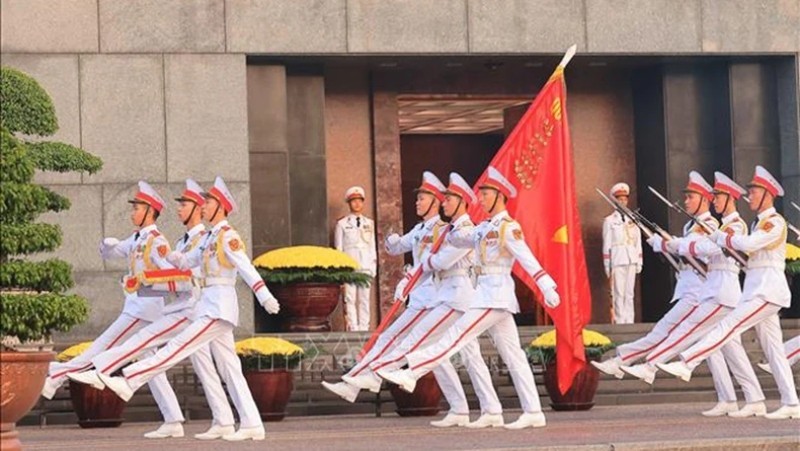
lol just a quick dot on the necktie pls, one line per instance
(136, 237)
(358, 221)
(186, 237)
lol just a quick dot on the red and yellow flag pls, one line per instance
(537, 159)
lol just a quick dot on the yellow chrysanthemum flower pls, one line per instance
(305, 257)
(73, 351)
(267, 346)
(590, 338)
(792, 252)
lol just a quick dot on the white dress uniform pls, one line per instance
(355, 236)
(498, 243)
(792, 350)
(145, 250)
(765, 293)
(423, 298)
(450, 269)
(220, 256)
(622, 259)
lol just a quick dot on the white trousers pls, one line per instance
(764, 317)
(121, 329)
(391, 337)
(146, 340)
(500, 325)
(430, 329)
(356, 307)
(792, 350)
(623, 282)
(633, 351)
(695, 327)
(217, 335)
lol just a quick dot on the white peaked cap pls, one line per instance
(620, 189)
(461, 188)
(148, 195)
(431, 184)
(725, 185)
(697, 184)
(764, 179)
(221, 193)
(496, 180)
(354, 192)
(193, 192)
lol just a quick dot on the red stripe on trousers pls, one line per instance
(793, 354)
(733, 329)
(421, 340)
(111, 345)
(645, 351)
(143, 345)
(154, 367)
(385, 348)
(472, 326)
(691, 331)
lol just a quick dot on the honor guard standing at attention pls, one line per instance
(765, 293)
(622, 257)
(355, 236)
(177, 316)
(146, 249)
(418, 240)
(220, 256)
(498, 243)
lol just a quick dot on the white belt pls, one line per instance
(730, 267)
(212, 281)
(487, 270)
(452, 273)
(766, 264)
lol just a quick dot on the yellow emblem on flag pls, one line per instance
(561, 235)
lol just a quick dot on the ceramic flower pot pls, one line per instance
(22, 377)
(271, 390)
(580, 396)
(96, 408)
(306, 307)
(424, 402)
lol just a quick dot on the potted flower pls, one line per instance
(425, 401)
(580, 396)
(307, 281)
(32, 299)
(94, 408)
(268, 364)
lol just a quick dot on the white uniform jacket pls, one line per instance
(355, 236)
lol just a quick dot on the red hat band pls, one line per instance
(198, 199)
(766, 184)
(699, 189)
(498, 186)
(429, 188)
(457, 190)
(727, 189)
(217, 194)
(355, 196)
(149, 200)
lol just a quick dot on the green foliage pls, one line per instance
(26, 107)
(314, 275)
(36, 316)
(793, 267)
(14, 164)
(20, 203)
(26, 239)
(543, 355)
(49, 275)
(62, 157)
(271, 362)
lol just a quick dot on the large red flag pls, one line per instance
(537, 159)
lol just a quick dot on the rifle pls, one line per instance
(741, 259)
(791, 227)
(640, 222)
(389, 317)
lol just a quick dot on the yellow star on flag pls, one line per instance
(561, 235)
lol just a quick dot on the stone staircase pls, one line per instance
(335, 349)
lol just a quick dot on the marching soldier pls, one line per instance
(355, 236)
(718, 297)
(687, 290)
(622, 257)
(498, 243)
(417, 241)
(220, 256)
(765, 292)
(177, 316)
(145, 249)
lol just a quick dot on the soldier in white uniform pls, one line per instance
(417, 241)
(355, 236)
(145, 249)
(622, 257)
(451, 269)
(765, 292)
(498, 243)
(685, 296)
(177, 316)
(792, 351)
(719, 296)
(221, 256)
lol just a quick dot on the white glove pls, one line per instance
(107, 244)
(638, 269)
(268, 301)
(392, 240)
(673, 246)
(551, 298)
(401, 286)
(655, 242)
(174, 257)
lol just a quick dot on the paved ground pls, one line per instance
(663, 426)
